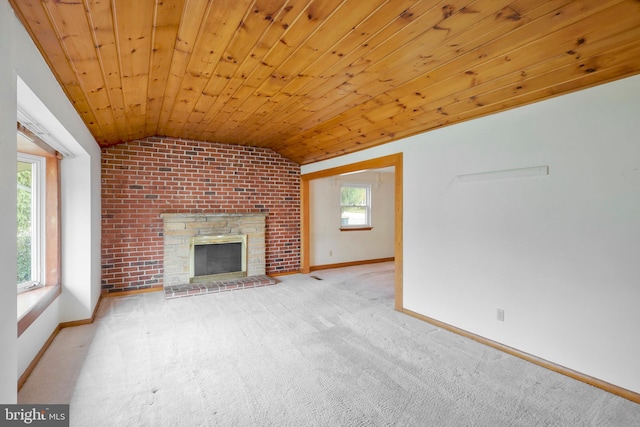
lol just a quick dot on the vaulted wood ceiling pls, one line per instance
(313, 79)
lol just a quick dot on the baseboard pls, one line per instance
(132, 292)
(25, 375)
(350, 264)
(83, 321)
(603, 385)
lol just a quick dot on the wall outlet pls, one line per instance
(330, 253)
(500, 315)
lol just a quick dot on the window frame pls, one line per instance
(33, 303)
(368, 223)
(38, 225)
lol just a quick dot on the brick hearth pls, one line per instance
(191, 289)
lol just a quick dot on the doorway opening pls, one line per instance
(392, 163)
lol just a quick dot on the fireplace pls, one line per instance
(195, 246)
(217, 258)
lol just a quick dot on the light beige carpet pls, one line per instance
(304, 352)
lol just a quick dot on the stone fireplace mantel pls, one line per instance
(181, 228)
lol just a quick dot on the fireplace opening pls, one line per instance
(218, 258)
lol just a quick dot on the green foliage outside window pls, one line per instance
(24, 212)
(353, 196)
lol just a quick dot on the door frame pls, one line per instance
(394, 160)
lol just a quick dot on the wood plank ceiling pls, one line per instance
(314, 79)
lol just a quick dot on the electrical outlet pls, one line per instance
(500, 314)
(330, 253)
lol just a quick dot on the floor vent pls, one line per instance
(316, 277)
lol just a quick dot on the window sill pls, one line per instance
(32, 304)
(356, 228)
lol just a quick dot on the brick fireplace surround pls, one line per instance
(143, 179)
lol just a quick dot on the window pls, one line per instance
(30, 216)
(355, 206)
(38, 224)
(38, 209)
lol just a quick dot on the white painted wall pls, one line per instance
(80, 175)
(559, 253)
(329, 245)
(80, 237)
(8, 309)
(32, 339)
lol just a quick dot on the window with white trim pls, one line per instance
(355, 206)
(30, 221)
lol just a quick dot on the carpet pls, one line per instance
(327, 350)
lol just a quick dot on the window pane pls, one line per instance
(354, 205)
(355, 215)
(25, 220)
(354, 196)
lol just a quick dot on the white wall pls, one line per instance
(80, 237)
(32, 339)
(558, 253)
(80, 192)
(8, 309)
(329, 245)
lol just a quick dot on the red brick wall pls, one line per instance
(142, 179)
